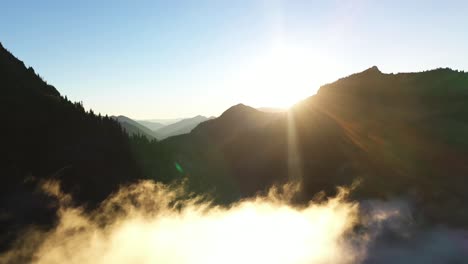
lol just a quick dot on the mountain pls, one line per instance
(135, 128)
(45, 136)
(400, 135)
(234, 121)
(151, 125)
(163, 121)
(183, 126)
(215, 160)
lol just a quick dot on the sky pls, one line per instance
(171, 59)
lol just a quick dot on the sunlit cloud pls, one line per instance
(153, 223)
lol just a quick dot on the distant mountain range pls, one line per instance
(159, 130)
(152, 124)
(135, 128)
(184, 126)
(173, 127)
(163, 121)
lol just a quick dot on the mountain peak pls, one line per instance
(238, 109)
(15, 71)
(198, 117)
(374, 69)
(239, 105)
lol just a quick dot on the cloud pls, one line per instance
(153, 223)
(434, 245)
(394, 237)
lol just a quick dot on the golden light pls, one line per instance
(264, 229)
(281, 76)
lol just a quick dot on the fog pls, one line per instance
(153, 223)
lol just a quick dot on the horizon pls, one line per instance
(159, 60)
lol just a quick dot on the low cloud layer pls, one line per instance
(153, 223)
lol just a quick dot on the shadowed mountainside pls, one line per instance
(399, 134)
(45, 136)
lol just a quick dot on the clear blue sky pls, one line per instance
(165, 59)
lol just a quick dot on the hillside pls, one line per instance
(399, 134)
(135, 128)
(45, 136)
(151, 124)
(183, 126)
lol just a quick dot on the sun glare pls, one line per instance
(281, 77)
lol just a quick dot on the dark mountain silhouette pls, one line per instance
(235, 120)
(206, 153)
(183, 126)
(399, 134)
(133, 127)
(45, 136)
(151, 125)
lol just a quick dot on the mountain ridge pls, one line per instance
(151, 125)
(133, 127)
(49, 138)
(183, 126)
(374, 127)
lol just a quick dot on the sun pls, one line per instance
(281, 76)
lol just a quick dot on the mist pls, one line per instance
(154, 223)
